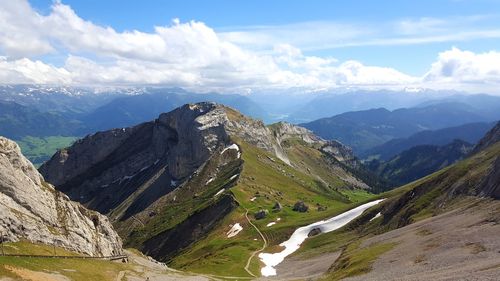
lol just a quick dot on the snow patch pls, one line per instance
(219, 192)
(271, 224)
(376, 216)
(293, 244)
(253, 199)
(232, 146)
(235, 229)
(209, 181)
(233, 177)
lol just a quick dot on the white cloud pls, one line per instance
(457, 66)
(20, 33)
(194, 56)
(27, 71)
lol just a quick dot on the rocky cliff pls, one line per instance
(32, 209)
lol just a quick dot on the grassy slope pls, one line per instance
(268, 180)
(432, 198)
(40, 149)
(75, 269)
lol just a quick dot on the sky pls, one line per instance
(245, 46)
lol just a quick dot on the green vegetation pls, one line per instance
(192, 199)
(440, 192)
(357, 260)
(40, 149)
(30, 268)
(265, 180)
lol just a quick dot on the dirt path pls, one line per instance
(255, 252)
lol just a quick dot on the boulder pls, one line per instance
(261, 214)
(315, 231)
(277, 207)
(300, 206)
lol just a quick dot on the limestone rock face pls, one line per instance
(140, 163)
(284, 131)
(32, 209)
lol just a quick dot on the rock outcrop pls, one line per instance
(284, 131)
(300, 206)
(32, 209)
(490, 185)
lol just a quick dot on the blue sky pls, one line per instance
(269, 44)
(227, 15)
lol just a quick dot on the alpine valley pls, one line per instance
(249, 140)
(207, 190)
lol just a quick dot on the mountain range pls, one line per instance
(171, 184)
(205, 188)
(470, 133)
(419, 161)
(363, 130)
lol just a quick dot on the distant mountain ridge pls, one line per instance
(419, 161)
(329, 104)
(363, 130)
(469, 132)
(17, 121)
(492, 137)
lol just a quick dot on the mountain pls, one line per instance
(487, 105)
(363, 130)
(492, 137)
(469, 132)
(43, 119)
(18, 121)
(443, 226)
(62, 99)
(33, 210)
(175, 187)
(129, 110)
(329, 104)
(419, 161)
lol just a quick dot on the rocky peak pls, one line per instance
(285, 131)
(32, 209)
(105, 168)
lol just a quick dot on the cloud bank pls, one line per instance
(194, 56)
